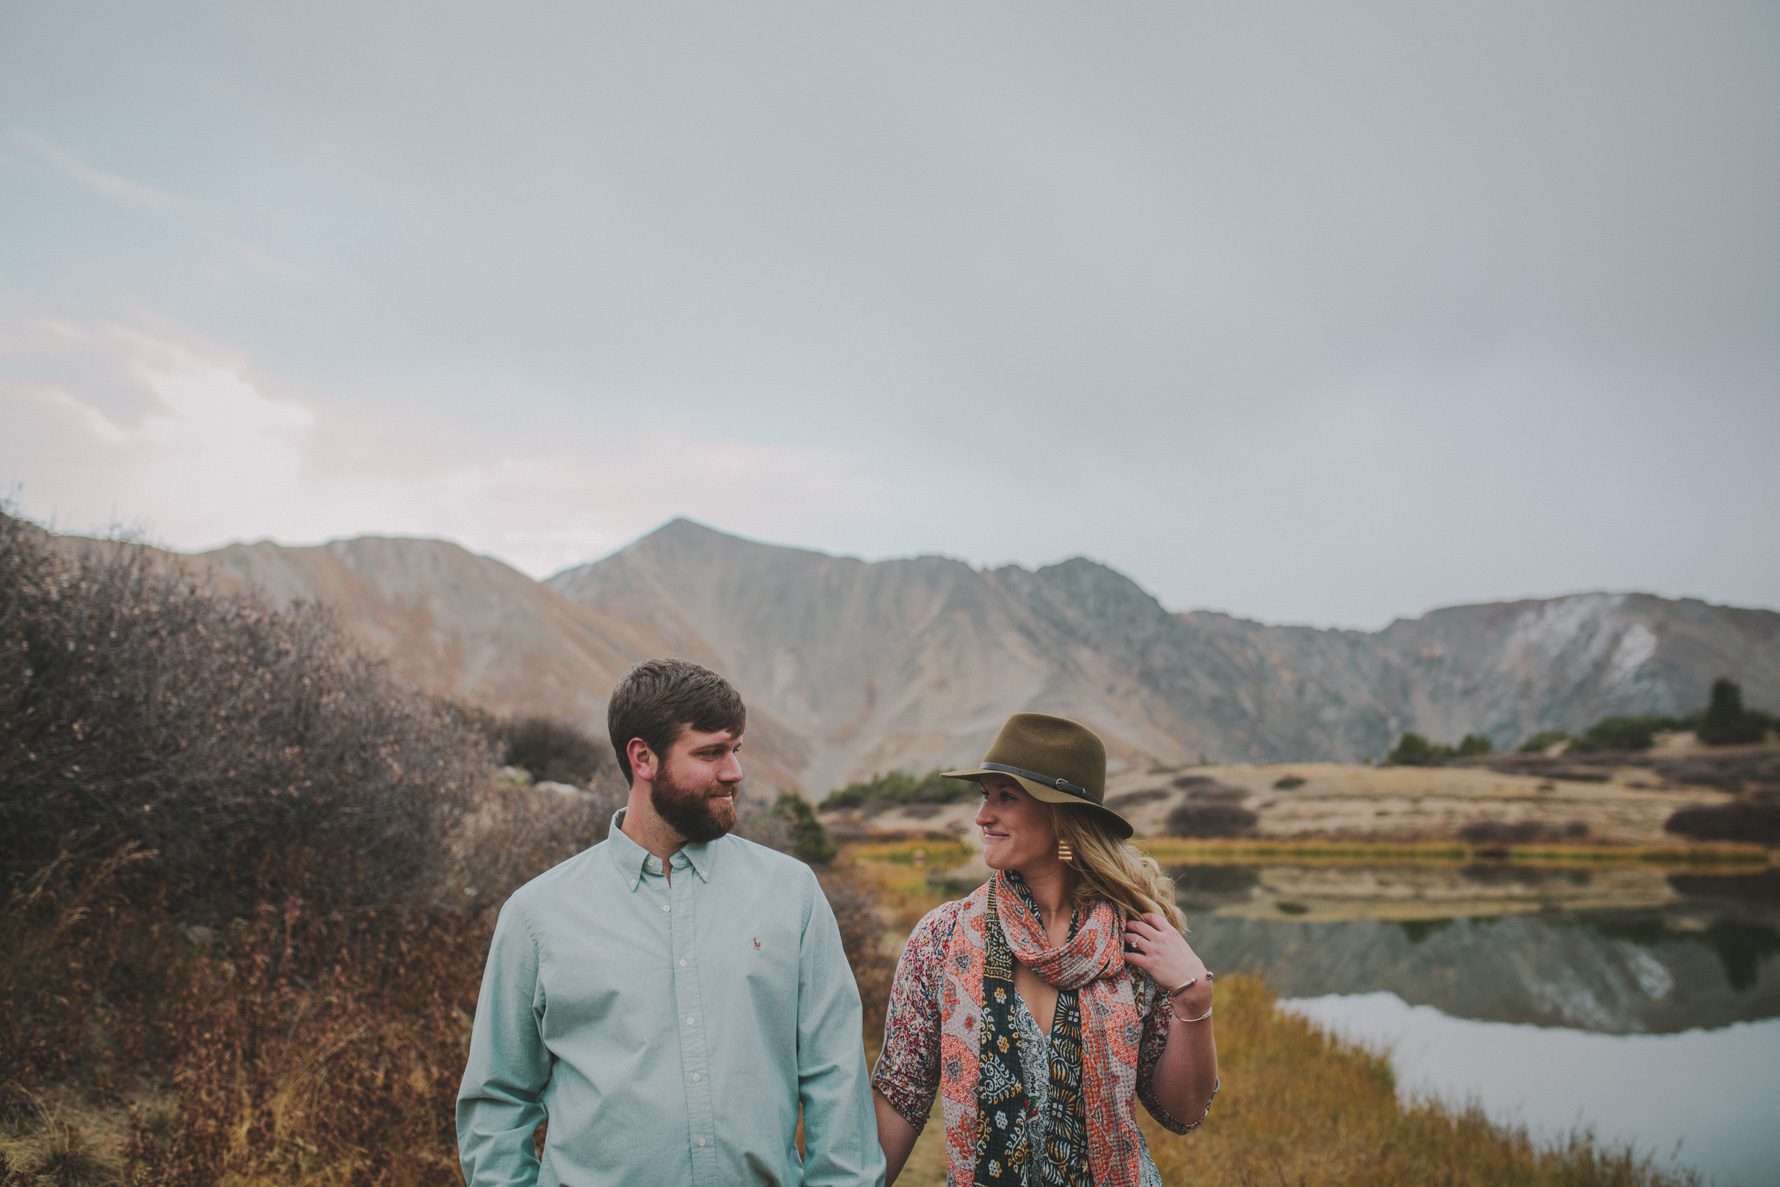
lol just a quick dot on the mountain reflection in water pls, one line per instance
(1617, 950)
(1638, 1003)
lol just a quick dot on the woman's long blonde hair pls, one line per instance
(1114, 869)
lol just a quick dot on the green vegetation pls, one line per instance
(1413, 750)
(1623, 733)
(1288, 782)
(1542, 741)
(1726, 722)
(893, 788)
(1474, 746)
(807, 840)
(1723, 722)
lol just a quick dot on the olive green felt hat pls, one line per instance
(1058, 760)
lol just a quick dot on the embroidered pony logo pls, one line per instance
(756, 943)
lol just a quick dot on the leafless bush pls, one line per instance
(1194, 819)
(1753, 820)
(862, 935)
(557, 751)
(251, 751)
(1131, 799)
(1216, 793)
(1500, 832)
(512, 834)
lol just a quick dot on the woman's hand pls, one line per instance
(1156, 948)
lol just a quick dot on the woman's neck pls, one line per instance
(1053, 888)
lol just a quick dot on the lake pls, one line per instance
(1637, 1002)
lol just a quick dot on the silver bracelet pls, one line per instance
(1169, 996)
(1188, 984)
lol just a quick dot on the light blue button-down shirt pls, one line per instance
(668, 1027)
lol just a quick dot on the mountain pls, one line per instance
(851, 668)
(913, 663)
(475, 629)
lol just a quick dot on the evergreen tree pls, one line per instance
(1725, 721)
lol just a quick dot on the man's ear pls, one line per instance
(642, 760)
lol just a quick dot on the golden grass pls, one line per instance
(1300, 1107)
(1171, 850)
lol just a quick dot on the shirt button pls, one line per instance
(696, 1077)
(691, 1021)
(701, 1141)
(682, 962)
(665, 907)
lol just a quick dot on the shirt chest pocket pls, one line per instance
(610, 980)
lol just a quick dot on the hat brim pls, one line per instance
(1118, 825)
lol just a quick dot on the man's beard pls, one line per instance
(694, 815)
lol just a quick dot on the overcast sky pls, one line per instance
(1313, 313)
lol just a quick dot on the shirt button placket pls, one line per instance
(694, 1052)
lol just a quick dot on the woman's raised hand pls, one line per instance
(1156, 948)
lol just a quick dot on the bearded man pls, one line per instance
(671, 998)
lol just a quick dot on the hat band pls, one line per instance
(1059, 783)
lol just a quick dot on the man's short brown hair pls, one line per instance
(659, 698)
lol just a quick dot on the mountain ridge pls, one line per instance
(851, 667)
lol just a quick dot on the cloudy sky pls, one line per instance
(1313, 313)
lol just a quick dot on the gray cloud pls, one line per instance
(1320, 314)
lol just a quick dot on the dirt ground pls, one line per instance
(1597, 803)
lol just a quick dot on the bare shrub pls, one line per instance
(514, 833)
(319, 1049)
(1131, 799)
(862, 935)
(251, 751)
(1196, 819)
(1752, 820)
(1217, 793)
(1501, 832)
(557, 751)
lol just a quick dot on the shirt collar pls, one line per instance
(632, 860)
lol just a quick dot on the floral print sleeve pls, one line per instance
(907, 1072)
(1154, 1007)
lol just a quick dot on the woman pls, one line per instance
(1046, 1002)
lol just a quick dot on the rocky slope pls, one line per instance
(916, 662)
(852, 667)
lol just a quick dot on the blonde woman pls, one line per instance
(1054, 997)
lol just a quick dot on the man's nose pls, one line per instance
(731, 770)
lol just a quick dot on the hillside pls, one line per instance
(853, 667)
(915, 662)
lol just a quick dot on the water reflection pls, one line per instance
(1617, 950)
(1701, 1099)
(1639, 1003)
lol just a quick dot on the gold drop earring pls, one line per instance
(1065, 854)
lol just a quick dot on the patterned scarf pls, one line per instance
(1093, 1065)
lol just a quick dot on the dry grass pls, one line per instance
(1299, 1107)
(1169, 851)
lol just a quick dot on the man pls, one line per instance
(669, 998)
